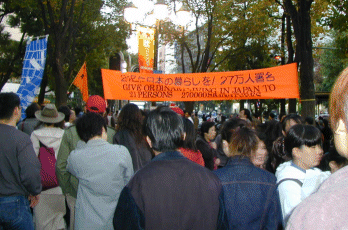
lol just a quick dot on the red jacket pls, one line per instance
(192, 155)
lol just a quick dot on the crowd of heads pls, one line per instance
(169, 130)
(166, 129)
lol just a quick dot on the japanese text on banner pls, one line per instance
(276, 82)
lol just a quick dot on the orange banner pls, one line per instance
(270, 83)
(146, 38)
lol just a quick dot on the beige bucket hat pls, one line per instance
(49, 114)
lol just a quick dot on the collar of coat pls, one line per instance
(170, 155)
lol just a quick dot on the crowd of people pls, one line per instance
(163, 170)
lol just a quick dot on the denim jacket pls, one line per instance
(250, 195)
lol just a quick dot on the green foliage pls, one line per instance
(10, 62)
(11, 52)
(333, 61)
(339, 19)
(93, 35)
(253, 56)
(248, 27)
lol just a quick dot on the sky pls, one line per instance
(146, 17)
(14, 32)
(144, 8)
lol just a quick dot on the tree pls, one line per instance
(12, 52)
(334, 56)
(11, 58)
(78, 31)
(300, 13)
(62, 20)
(222, 34)
(330, 67)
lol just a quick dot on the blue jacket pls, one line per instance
(171, 192)
(250, 195)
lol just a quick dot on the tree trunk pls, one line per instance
(282, 50)
(289, 41)
(292, 105)
(301, 22)
(282, 40)
(189, 105)
(282, 106)
(292, 102)
(61, 84)
(306, 67)
(241, 104)
(44, 82)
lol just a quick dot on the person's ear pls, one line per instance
(333, 166)
(184, 136)
(149, 141)
(225, 147)
(283, 132)
(104, 134)
(296, 153)
(17, 110)
(17, 113)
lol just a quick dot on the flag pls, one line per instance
(146, 39)
(80, 82)
(32, 73)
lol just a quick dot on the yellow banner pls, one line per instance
(270, 83)
(146, 38)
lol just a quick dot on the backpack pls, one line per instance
(48, 167)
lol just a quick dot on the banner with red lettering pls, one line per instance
(146, 39)
(269, 83)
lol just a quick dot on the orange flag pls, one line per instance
(80, 82)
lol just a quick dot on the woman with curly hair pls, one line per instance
(129, 133)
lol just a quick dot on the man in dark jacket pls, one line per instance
(20, 181)
(170, 192)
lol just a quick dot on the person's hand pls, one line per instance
(34, 200)
(213, 145)
(217, 162)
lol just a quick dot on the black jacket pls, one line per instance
(139, 151)
(171, 192)
(207, 151)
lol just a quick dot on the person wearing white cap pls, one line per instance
(49, 213)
